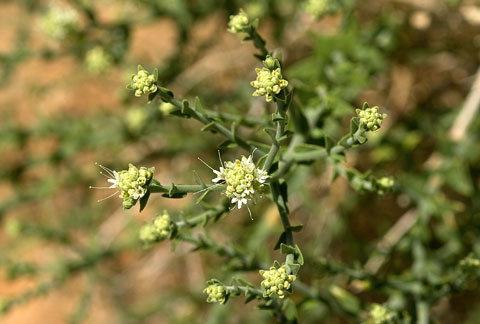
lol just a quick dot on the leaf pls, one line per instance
(290, 310)
(299, 255)
(293, 268)
(202, 196)
(152, 96)
(198, 105)
(296, 228)
(250, 298)
(271, 132)
(287, 249)
(144, 200)
(197, 178)
(227, 144)
(209, 127)
(177, 195)
(308, 148)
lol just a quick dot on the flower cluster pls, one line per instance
(276, 281)
(239, 23)
(216, 293)
(98, 60)
(60, 22)
(384, 185)
(470, 264)
(317, 8)
(370, 118)
(157, 230)
(131, 183)
(243, 180)
(380, 314)
(269, 80)
(143, 82)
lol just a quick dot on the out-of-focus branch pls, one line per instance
(409, 219)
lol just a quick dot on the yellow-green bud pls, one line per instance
(143, 82)
(271, 63)
(98, 60)
(216, 293)
(239, 23)
(380, 314)
(384, 185)
(317, 8)
(157, 230)
(60, 22)
(470, 264)
(276, 281)
(268, 83)
(370, 118)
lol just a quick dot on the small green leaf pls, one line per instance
(144, 200)
(281, 240)
(287, 249)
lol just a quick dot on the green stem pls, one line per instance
(179, 188)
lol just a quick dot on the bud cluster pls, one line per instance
(157, 230)
(239, 23)
(243, 180)
(216, 292)
(276, 281)
(470, 264)
(317, 8)
(143, 82)
(380, 314)
(98, 60)
(370, 118)
(60, 22)
(384, 185)
(269, 80)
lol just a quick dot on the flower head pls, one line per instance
(98, 60)
(216, 293)
(370, 118)
(276, 281)
(239, 23)
(269, 80)
(157, 230)
(243, 180)
(384, 185)
(380, 314)
(317, 8)
(131, 183)
(143, 82)
(59, 22)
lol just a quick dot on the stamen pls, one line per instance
(110, 172)
(250, 212)
(108, 196)
(206, 164)
(103, 174)
(92, 187)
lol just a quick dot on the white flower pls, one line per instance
(243, 180)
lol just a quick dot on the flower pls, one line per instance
(131, 183)
(370, 118)
(216, 293)
(380, 314)
(157, 230)
(239, 23)
(143, 82)
(269, 80)
(243, 180)
(317, 8)
(276, 281)
(98, 60)
(384, 185)
(59, 22)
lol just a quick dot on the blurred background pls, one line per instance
(64, 106)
